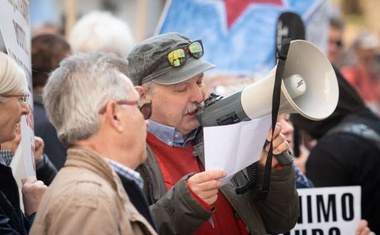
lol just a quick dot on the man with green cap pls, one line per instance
(183, 197)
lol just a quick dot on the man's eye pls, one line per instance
(180, 88)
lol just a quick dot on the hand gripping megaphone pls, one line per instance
(309, 87)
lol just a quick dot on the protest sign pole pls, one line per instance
(142, 7)
(70, 16)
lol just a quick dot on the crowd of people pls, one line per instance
(119, 150)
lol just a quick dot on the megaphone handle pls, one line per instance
(263, 193)
(284, 158)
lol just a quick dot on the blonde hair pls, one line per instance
(12, 77)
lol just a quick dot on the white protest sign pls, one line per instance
(328, 211)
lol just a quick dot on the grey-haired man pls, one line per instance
(98, 190)
(184, 198)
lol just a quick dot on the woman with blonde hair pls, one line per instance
(13, 104)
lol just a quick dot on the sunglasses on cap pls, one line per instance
(178, 57)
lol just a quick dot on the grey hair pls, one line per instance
(12, 76)
(101, 31)
(79, 88)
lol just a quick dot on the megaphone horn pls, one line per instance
(309, 87)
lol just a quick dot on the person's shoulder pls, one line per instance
(71, 199)
(82, 188)
(343, 146)
(339, 139)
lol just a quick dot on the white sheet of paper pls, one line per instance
(233, 147)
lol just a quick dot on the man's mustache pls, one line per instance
(194, 108)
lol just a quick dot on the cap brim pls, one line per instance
(192, 68)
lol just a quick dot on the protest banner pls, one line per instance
(328, 211)
(240, 36)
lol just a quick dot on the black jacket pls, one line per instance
(12, 219)
(44, 129)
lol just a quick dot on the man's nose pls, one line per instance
(198, 95)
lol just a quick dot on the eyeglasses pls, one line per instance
(145, 107)
(178, 57)
(23, 98)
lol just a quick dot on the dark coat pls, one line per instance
(12, 219)
(44, 129)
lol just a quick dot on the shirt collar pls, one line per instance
(169, 135)
(126, 172)
(6, 157)
(2, 161)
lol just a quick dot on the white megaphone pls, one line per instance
(309, 87)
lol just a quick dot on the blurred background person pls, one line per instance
(101, 31)
(364, 74)
(47, 51)
(347, 150)
(335, 47)
(47, 28)
(13, 104)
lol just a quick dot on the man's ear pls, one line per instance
(113, 114)
(141, 92)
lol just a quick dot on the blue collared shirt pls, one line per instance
(169, 135)
(126, 172)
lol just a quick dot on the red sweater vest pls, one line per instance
(176, 162)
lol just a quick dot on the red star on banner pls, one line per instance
(234, 8)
